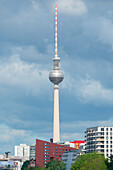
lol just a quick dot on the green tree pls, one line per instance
(56, 165)
(25, 164)
(90, 161)
(109, 163)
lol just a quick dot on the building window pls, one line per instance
(53, 152)
(111, 150)
(110, 129)
(56, 152)
(110, 146)
(59, 149)
(46, 143)
(110, 141)
(46, 150)
(106, 137)
(56, 155)
(107, 142)
(102, 133)
(46, 155)
(46, 147)
(110, 133)
(56, 149)
(106, 150)
(106, 146)
(53, 146)
(59, 146)
(106, 133)
(56, 146)
(102, 129)
(110, 137)
(106, 129)
(107, 155)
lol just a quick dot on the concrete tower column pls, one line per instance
(56, 129)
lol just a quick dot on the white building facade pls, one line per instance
(99, 139)
(22, 151)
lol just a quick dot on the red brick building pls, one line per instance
(47, 151)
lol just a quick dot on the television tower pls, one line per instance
(56, 76)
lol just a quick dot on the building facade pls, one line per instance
(33, 152)
(69, 157)
(22, 151)
(99, 139)
(47, 151)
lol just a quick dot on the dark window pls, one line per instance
(110, 129)
(110, 137)
(111, 150)
(106, 150)
(102, 129)
(106, 129)
(110, 146)
(110, 133)
(106, 133)
(106, 146)
(110, 141)
(106, 141)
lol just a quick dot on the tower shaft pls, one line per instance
(56, 128)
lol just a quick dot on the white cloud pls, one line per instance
(31, 77)
(82, 125)
(72, 136)
(8, 134)
(72, 7)
(89, 90)
(75, 130)
(99, 27)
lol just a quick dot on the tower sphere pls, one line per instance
(56, 76)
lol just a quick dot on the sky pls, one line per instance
(85, 46)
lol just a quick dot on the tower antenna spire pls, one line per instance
(56, 50)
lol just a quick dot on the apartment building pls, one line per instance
(99, 139)
(22, 151)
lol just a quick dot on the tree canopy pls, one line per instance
(90, 161)
(56, 165)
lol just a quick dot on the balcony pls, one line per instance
(99, 139)
(99, 143)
